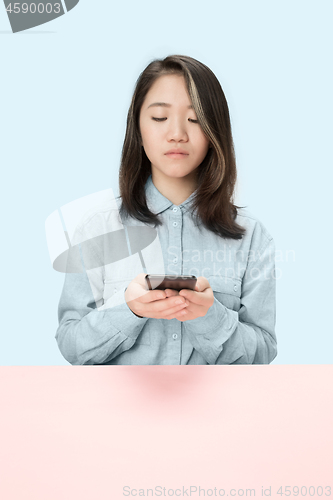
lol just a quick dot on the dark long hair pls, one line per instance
(213, 200)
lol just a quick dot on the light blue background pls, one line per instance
(65, 91)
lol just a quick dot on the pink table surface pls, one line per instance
(87, 432)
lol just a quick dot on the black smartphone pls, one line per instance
(173, 281)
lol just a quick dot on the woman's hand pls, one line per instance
(200, 300)
(160, 304)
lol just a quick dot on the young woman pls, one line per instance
(177, 174)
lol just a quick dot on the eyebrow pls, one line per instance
(165, 105)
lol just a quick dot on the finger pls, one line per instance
(202, 284)
(199, 298)
(155, 295)
(152, 296)
(192, 296)
(161, 306)
(190, 309)
(171, 293)
(167, 314)
(190, 312)
(173, 311)
(177, 315)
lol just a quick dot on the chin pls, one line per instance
(178, 176)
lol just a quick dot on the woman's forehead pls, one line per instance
(167, 91)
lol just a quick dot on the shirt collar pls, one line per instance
(158, 203)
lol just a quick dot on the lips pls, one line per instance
(177, 152)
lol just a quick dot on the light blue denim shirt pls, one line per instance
(96, 325)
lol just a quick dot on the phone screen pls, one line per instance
(173, 281)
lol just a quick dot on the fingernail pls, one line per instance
(179, 301)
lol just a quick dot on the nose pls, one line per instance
(177, 131)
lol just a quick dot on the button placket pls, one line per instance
(173, 328)
(175, 240)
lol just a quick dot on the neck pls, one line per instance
(175, 190)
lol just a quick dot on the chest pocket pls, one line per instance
(111, 288)
(227, 291)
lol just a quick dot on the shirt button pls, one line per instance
(174, 209)
(235, 288)
(175, 224)
(115, 290)
(175, 336)
(175, 260)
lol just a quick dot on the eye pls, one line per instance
(193, 121)
(158, 119)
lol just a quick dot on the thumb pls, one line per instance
(202, 284)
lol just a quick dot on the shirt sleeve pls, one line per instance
(93, 330)
(91, 335)
(247, 336)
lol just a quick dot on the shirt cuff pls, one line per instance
(122, 317)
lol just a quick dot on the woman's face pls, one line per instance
(172, 139)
